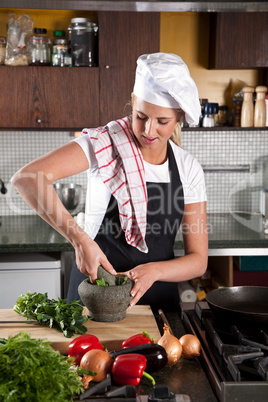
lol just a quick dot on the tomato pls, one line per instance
(82, 344)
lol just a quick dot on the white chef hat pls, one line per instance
(163, 79)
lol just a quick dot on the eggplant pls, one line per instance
(155, 354)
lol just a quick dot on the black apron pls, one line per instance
(164, 214)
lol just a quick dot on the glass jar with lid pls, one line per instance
(222, 117)
(83, 36)
(60, 50)
(210, 110)
(2, 49)
(39, 48)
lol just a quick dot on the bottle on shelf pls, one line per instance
(60, 51)
(247, 110)
(222, 116)
(260, 107)
(83, 36)
(210, 110)
(2, 49)
(39, 48)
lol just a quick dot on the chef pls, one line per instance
(142, 188)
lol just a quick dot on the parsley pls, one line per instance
(31, 370)
(64, 316)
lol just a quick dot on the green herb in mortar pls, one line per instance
(59, 314)
(31, 370)
(102, 282)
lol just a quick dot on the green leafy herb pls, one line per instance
(31, 370)
(101, 282)
(65, 317)
(124, 280)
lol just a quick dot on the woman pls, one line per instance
(141, 187)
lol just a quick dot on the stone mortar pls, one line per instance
(106, 303)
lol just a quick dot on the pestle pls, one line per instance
(109, 278)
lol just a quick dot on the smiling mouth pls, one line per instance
(149, 140)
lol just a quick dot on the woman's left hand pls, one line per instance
(144, 276)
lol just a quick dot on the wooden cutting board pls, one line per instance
(110, 334)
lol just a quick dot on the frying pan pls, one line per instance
(240, 303)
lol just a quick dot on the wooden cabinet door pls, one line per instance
(123, 37)
(238, 40)
(49, 97)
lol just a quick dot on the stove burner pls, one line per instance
(234, 354)
(244, 341)
(262, 367)
(236, 366)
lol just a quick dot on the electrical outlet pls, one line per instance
(11, 192)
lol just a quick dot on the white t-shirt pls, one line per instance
(98, 195)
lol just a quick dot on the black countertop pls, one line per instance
(29, 233)
(186, 377)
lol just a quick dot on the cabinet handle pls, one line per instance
(107, 66)
(38, 120)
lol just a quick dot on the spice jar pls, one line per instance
(222, 117)
(39, 48)
(2, 49)
(83, 36)
(60, 50)
(202, 102)
(210, 110)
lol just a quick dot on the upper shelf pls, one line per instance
(140, 5)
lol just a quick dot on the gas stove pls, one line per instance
(105, 391)
(234, 354)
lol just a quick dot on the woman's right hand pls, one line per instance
(89, 256)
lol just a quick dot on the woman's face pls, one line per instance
(153, 126)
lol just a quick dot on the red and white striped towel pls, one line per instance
(121, 168)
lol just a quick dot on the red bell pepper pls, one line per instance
(139, 339)
(82, 344)
(128, 369)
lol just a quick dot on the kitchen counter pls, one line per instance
(229, 234)
(30, 233)
(187, 376)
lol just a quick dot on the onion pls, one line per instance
(172, 346)
(190, 346)
(98, 361)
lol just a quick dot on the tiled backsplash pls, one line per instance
(227, 190)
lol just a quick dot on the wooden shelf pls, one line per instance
(71, 98)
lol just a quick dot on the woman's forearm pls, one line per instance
(180, 269)
(38, 191)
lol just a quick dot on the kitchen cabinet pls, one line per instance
(226, 270)
(34, 97)
(49, 97)
(238, 40)
(221, 269)
(123, 37)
